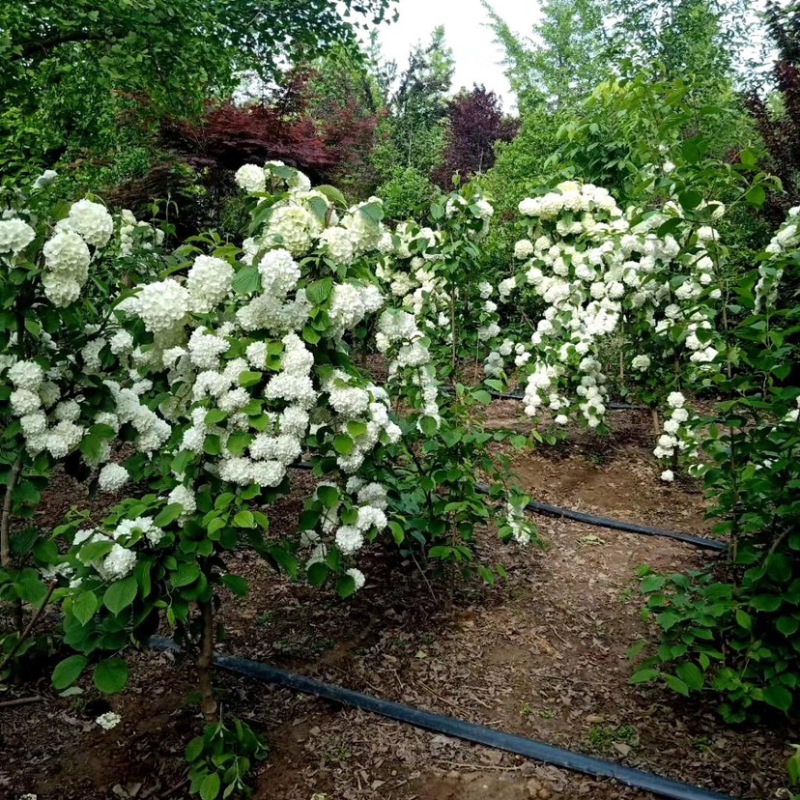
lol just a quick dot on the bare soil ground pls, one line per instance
(542, 655)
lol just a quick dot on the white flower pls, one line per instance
(112, 478)
(358, 577)
(523, 249)
(15, 235)
(45, 179)
(676, 400)
(641, 362)
(121, 343)
(205, 349)
(349, 539)
(26, 375)
(24, 401)
(251, 178)
(668, 476)
(108, 720)
(294, 227)
(67, 254)
(163, 305)
(339, 243)
(209, 283)
(181, 494)
(118, 564)
(279, 273)
(91, 221)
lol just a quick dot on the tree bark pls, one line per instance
(205, 661)
(5, 519)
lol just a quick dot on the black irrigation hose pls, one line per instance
(458, 729)
(616, 525)
(602, 522)
(611, 406)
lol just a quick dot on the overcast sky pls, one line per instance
(477, 56)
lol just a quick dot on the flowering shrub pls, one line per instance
(441, 315)
(643, 287)
(733, 629)
(220, 374)
(61, 265)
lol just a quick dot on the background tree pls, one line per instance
(477, 123)
(777, 115)
(70, 68)
(561, 60)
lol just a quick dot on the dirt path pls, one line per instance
(542, 655)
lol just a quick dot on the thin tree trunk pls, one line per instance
(204, 662)
(5, 532)
(5, 520)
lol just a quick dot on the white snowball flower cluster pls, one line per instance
(67, 258)
(162, 306)
(771, 271)
(350, 304)
(279, 273)
(112, 478)
(678, 436)
(109, 720)
(520, 528)
(251, 178)
(15, 235)
(596, 272)
(91, 221)
(208, 283)
(137, 235)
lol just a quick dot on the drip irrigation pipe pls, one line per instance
(616, 525)
(603, 522)
(610, 406)
(458, 729)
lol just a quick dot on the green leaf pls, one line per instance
(236, 584)
(690, 199)
(743, 619)
(345, 586)
(84, 605)
(343, 445)
(319, 291)
(238, 442)
(329, 495)
(247, 280)
(372, 211)
(168, 515)
(482, 396)
(756, 196)
(653, 583)
(244, 519)
(766, 602)
(68, 671)
(676, 684)
(212, 445)
(788, 625)
(428, 425)
(188, 572)
(318, 573)
(668, 620)
(333, 194)
(209, 788)
(247, 379)
(644, 676)
(120, 595)
(778, 697)
(194, 749)
(111, 675)
(691, 675)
